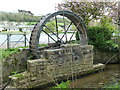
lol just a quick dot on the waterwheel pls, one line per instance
(56, 29)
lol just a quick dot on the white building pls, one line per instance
(14, 26)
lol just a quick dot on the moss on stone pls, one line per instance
(20, 75)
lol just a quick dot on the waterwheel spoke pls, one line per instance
(66, 30)
(51, 32)
(57, 38)
(49, 36)
(73, 34)
(56, 26)
(64, 26)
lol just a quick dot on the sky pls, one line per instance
(37, 7)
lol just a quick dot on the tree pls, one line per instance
(18, 17)
(50, 26)
(89, 10)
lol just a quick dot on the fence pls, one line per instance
(8, 43)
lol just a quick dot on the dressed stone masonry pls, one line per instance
(55, 64)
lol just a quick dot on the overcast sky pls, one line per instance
(38, 7)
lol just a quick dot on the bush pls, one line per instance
(77, 36)
(100, 37)
(20, 29)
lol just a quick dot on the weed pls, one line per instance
(63, 85)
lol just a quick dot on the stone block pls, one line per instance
(53, 51)
(33, 78)
(33, 65)
(23, 81)
(68, 60)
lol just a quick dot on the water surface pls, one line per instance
(109, 76)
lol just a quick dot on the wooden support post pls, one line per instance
(25, 39)
(8, 41)
(48, 39)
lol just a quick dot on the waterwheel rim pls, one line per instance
(39, 28)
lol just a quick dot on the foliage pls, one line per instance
(74, 42)
(14, 72)
(18, 17)
(31, 23)
(8, 52)
(20, 29)
(100, 37)
(107, 22)
(42, 45)
(115, 86)
(19, 75)
(77, 36)
(63, 85)
(13, 32)
(117, 36)
(90, 10)
(50, 25)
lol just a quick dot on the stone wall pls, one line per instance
(0, 73)
(14, 63)
(18, 62)
(55, 64)
(106, 57)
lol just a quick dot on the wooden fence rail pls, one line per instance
(9, 41)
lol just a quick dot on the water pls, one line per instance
(97, 80)
(109, 76)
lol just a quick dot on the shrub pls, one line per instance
(20, 29)
(100, 37)
(63, 85)
(77, 36)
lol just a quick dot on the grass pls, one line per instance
(74, 42)
(13, 32)
(115, 86)
(30, 23)
(7, 52)
(112, 86)
(42, 45)
(20, 75)
(4, 53)
(63, 85)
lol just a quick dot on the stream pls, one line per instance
(110, 75)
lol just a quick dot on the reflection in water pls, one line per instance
(97, 80)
